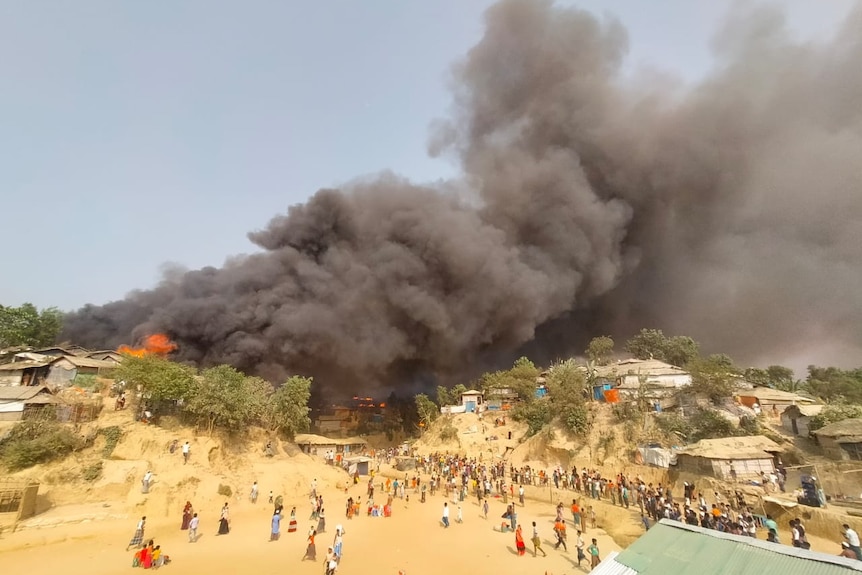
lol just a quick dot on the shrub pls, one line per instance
(92, 472)
(833, 413)
(32, 442)
(225, 490)
(448, 432)
(112, 437)
(536, 415)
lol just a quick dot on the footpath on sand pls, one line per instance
(413, 541)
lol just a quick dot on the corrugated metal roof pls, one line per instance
(22, 365)
(609, 566)
(674, 547)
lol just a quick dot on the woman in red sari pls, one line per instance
(187, 515)
(519, 541)
(147, 555)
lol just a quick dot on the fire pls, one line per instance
(156, 344)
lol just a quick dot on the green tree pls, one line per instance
(834, 413)
(229, 399)
(600, 350)
(835, 385)
(426, 409)
(712, 379)
(521, 379)
(26, 325)
(443, 397)
(286, 409)
(679, 350)
(774, 376)
(157, 378)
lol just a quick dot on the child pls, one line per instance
(460, 515)
(485, 508)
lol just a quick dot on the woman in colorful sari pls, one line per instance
(291, 527)
(187, 515)
(147, 555)
(519, 541)
(311, 550)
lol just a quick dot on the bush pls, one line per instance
(536, 415)
(32, 442)
(576, 418)
(112, 437)
(448, 432)
(225, 490)
(92, 472)
(833, 413)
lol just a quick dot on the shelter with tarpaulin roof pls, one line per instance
(842, 439)
(748, 456)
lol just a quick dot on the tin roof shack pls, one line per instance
(24, 373)
(841, 440)
(22, 402)
(358, 465)
(796, 418)
(17, 500)
(65, 369)
(318, 445)
(750, 456)
(772, 400)
(674, 547)
(106, 355)
(631, 373)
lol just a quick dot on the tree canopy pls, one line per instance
(678, 350)
(832, 384)
(600, 350)
(27, 325)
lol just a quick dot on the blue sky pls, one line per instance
(133, 134)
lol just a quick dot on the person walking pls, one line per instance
(224, 521)
(446, 515)
(311, 550)
(485, 508)
(275, 533)
(193, 528)
(560, 532)
(291, 526)
(852, 540)
(537, 542)
(521, 495)
(579, 545)
(593, 550)
(138, 538)
(187, 452)
(145, 482)
(519, 541)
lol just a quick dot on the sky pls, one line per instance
(139, 134)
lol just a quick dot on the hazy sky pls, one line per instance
(133, 134)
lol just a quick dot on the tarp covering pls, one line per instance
(655, 456)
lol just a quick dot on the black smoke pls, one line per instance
(730, 210)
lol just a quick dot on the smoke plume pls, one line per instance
(730, 210)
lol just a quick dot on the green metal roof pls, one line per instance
(671, 547)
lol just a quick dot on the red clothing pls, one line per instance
(146, 557)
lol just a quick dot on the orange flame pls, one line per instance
(156, 344)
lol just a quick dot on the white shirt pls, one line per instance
(446, 511)
(193, 524)
(852, 538)
(186, 448)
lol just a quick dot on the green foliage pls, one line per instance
(652, 343)
(229, 399)
(87, 381)
(774, 376)
(835, 385)
(576, 418)
(37, 441)
(521, 379)
(712, 378)
(112, 436)
(536, 414)
(600, 350)
(26, 325)
(427, 410)
(159, 379)
(224, 490)
(92, 472)
(452, 396)
(286, 410)
(704, 424)
(833, 413)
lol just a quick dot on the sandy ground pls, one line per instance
(412, 540)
